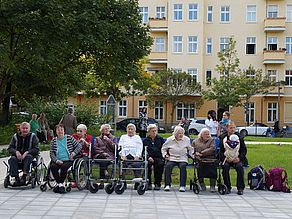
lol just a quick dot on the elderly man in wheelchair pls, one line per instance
(23, 149)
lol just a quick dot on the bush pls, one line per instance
(6, 133)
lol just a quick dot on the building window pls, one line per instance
(272, 43)
(224, 41)
(177, 12)
(210, 13)
(142, 104)
(185, 110)
(144, 14)
(289, 45)
(250, 112)
(251, 13)
(209, 46)
(177, 70)
(288, 78)
(272, 11)
(177, 44)
(193, 44)
(250, 45)
(102, 107)
(208, 77)
(225, 14)
(289, 13)
(160, 12)
(159, 44)
(122, 108)
(272, 74)
(193, 12)
(158, 110)
(287, 111)
(272, 112)
(193, 72)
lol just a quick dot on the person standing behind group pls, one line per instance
(34, 124)
(143, 123)
(44, 126)
(69, 121)
(211, 123)
(222, 125)
(154, 144)
(204, 147)
(175, 150)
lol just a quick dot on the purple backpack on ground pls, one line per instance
(277, 180)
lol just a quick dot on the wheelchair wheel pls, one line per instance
(81, 173)
(196, 189)
(68, 189)
(6, 182)
(141, 189)
(43, 188)
(222, 189)
(52, 183)
(40, 171)
(119, 188)
(109, 188)
(93, 188)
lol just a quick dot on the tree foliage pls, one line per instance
(171, 86)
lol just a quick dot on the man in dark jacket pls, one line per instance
(69, 121)
(237, 163)
(154, 144)
(22, 148)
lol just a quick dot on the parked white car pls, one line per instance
(196, 126)
(258, 129)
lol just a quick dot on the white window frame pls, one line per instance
(289, 13)
(186, 107)
(144, 11)
(209, 12)
(177, 44)
(225, 13)
(177, 12)
(274, 112)
(158, 110)
(160, 12)
(272, 40)
(209, 46)
(102, 107)
(123, 107)
(223, 44)
(251, 41)
(251, 112)
(160, 44)
(288, 42)
(192, 44)
(194, 73)
(251, 13)
(142, 104)
(193, 14)
(272, 74)
(208, 80)
(272, 11)
(288, 78)
(177, 70)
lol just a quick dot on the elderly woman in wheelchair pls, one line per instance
(23, 149)
(64, 148)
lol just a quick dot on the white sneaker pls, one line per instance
(182, 189)
(167, 188)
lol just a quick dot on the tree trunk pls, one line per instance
(171, 114)
(4, 118)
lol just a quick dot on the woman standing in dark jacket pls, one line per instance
(154, 144)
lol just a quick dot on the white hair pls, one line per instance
(25, 123)
(82, 126)
(178, 128)
(202, 131)
(131, 125)
(151, 126)
(103, 126)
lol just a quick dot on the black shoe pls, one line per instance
(62, 190)
(228, 191)
(157, 187)
(149, 187)
(56, 189)
(136, 186)
(101, 186)
(239, 192)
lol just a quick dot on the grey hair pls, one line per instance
(202, 131)
(103, 126)
(25, 123)
(178, 128)
(82, 126)
(131, 124)
(151, 126)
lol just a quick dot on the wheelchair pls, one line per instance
(34, 176)
(75, 177)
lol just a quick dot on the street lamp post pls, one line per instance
(279, 85)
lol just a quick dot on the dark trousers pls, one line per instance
(182, 170)
(14, 164)
(103, 167)
(240, 175)
(158, 167)
(127, 164)
(55, 168)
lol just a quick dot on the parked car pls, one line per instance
(196, 125)
(258, 129)
(122, 125)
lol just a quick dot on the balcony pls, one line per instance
(274, 56)
(275, 24)
(158, 58)
(158, 24)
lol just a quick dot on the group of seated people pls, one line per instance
(162, 155)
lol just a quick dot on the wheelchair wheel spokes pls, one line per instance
(40, 171)
(81, 174)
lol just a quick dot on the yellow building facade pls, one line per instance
(187, 36)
